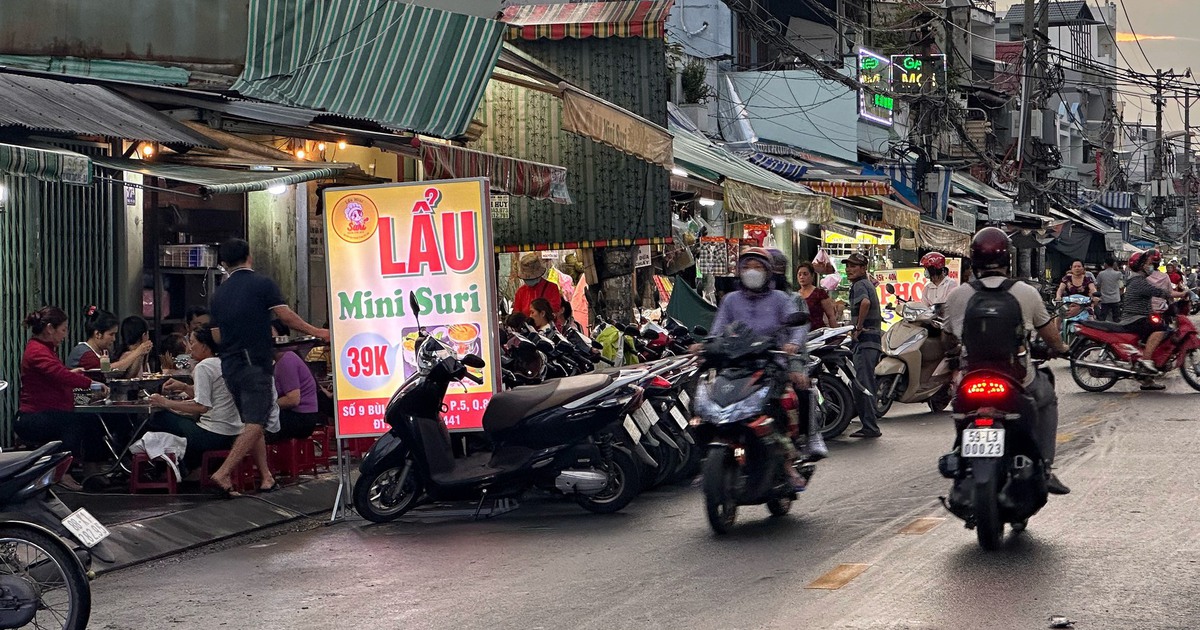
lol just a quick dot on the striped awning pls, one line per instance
(580, 20)
(45, 164)
(513, 176)
(220, 181)
(780, 166)
(850, 189)
(404, 66)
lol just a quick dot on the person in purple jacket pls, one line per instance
(297, 389)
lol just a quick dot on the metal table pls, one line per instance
(142, 410)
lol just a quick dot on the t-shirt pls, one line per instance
(83, 356)
(938, 293)
(1033, 310)
(222, 417)
(1139, 296)
(545, 289)
(290, 374)
(1109, 282)
(871, 334)
(241, 309)
(816, 313)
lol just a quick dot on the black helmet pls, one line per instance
(990, 250)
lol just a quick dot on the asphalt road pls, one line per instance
(1122, 551)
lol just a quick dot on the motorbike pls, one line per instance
(914, 367)
(46, 550)
(998, 471)
(1106, 352)
(1071, 310)
(560, 437)
(836, 380)
(742, 420)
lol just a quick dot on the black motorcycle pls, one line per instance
(743, 423)
(46, 549)
(998, 471)
(560, 436)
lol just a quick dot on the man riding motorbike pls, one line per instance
(764, 310)
(1144, 298)
(940, 284)
(991, 258)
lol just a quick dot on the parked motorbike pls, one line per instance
(914, 367)
(836, 380)
(1071, 310)
(560, 436)
(998, 471)
(742, 420)
(1106, 352)
(46, 550)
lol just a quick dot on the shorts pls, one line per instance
(252, 386)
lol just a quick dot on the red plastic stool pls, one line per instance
(292, 458)
(322, 438)
(142, 462)
(243, 476)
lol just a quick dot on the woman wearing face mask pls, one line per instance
(535, 285)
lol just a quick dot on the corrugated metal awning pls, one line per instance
(580, 20)
(406, 67)
(90, 110)
(220, 181)
(46, 164)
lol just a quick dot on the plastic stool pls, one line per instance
(292, 457)
(242, 478)
(142, 462)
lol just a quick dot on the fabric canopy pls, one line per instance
(593, 117)
(899, 215)
(782, 167)
(513, 176)
(749, 189)
(580, 20)
(689, 308)
(404, 66)
(219, 181)
(944, 238)
(850, 189)
(45, 164)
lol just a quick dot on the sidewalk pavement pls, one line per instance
(150, 526)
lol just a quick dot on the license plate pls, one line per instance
(684, 398)
(680, 419)
(632, 430)
(983, 443)
(85, 527)
(646, 416)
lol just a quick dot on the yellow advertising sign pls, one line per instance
(428, 240)
(909, 284)
(859, 238)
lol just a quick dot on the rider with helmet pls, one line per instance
(940, 284)
(762, 308)
(991, 257)
(1143, 298)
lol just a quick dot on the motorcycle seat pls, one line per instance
(1105, 326)
(508, 408)
(14, 462)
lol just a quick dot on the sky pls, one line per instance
(1167, 33)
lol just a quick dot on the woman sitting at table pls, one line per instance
(173, 354)
(47, 400)
(208, 419)
(135, 340)
(298, 405)
(101, 329)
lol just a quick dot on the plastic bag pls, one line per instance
(823, 263)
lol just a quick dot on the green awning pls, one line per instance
(219, 181)
(749, 189)
(404, 66)
(46, 164)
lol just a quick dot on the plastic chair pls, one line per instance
(143, 463)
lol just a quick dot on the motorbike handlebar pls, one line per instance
(478, 380)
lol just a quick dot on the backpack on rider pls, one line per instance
(993, 332)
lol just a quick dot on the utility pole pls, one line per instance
(1035, 32)
(1156, 176)
(1189, 214)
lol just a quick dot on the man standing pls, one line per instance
(1109, 281)
(868, 336)
(242, 309)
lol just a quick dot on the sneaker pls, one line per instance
(815, 450)
(1151, 386)
(1055, 486)
(863, 433)
(1148, 366)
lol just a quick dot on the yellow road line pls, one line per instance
(922, 525)
(1063, 438)
(838, 577)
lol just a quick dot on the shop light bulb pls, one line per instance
(341, 144)
(300, 153)
(707, 203)
(777, 221)
(800, 224)
(320, 146)
(277, 189)
(678, 172)
(3, 196)
(147, 150)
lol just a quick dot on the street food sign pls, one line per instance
(429, 241)
(909, 285)
(918, 74)
(875, 102)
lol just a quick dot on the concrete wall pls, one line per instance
(704, 28)
(272, 236)
(798, 108)
(195, 31)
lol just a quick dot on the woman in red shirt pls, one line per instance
(532, 271)
(821, 311)
(46, 399)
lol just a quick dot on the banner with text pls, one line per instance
(909, 284)
(431, 240)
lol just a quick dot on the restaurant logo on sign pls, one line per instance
(425, 240)
(918, 74)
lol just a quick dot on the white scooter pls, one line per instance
(914, 367)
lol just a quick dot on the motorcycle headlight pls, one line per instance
(912, 342)
(740, 410)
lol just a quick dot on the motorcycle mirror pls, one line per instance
(414, 307)
(891, 288)
(796, 319)
(474, 361)
(700, 331)
(597, 345)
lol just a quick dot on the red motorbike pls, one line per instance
(1105, 352)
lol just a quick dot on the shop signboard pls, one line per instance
(909, 284)
(429, 241)
(886, 237)
(875, 101)
(918, 74)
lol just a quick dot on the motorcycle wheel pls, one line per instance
(668, 463)
(1091, 379)
(695, 459)
(623, 484)
(1191, 369)
(684, 459)
(779, 506)
(883, 403)
(379, 498)
(940, 400)
(63, 597)
(838, 407)
(719, 503)
(988, 527)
